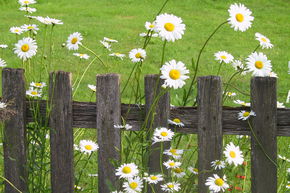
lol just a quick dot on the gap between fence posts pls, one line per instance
(210, 135)
(108, 107)
(264, 141)
(158, 117)
(61, 132)
(14, 142)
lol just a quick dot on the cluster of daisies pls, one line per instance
(35, 89)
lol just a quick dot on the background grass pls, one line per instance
(124, 20)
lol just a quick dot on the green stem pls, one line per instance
(198, 59)
(220, 66)
(10, 184)
(227, 85)
(152, 188)
(85, 166)
(161, 158)
(126, 84)
(94, 54)
(256, 48)
(164, 4)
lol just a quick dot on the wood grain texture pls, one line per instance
(108, 114)
(14, 142)
(263, 101)
(210, 134)
(61, 133)
(158, 117)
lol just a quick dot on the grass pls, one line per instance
(124, 20)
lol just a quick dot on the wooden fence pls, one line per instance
(209, 120)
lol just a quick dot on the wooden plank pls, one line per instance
(158, 117)
(264, 145)
(210, 135)
(14, 142)
(61, 133)
(84, 116)
(108, 114)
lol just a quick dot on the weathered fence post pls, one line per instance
(209, 126)
(61, 133)
(161, 115)
(109, 138)
(264, 141)
(15, 153)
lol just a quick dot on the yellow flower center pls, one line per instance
(74, 40)
(25, 47)
(219, 182)
(176, 120)
(174, 74)
(164, 134)
(30, 27)
(117, 53)
(126, 170)
(138, 55)
(178, 170)
(17, 30)
(240, 17)
(34, 93)
(151, 26)
(218, 163)
(88, 147)
(38, 84)
(26, 2)
(169, 27)
(246, 114)
(133, 185)
(259, 64)
(173, 151)
(223, 57)
(172, 164)
(263, 39)
(171, 186)
(232, 154)
(153, 177)
(195, 169)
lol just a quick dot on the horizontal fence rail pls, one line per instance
(209, 120)
(84, 116)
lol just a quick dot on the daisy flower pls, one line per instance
(93, 175)
(134, 185)
(258, 64)
(26, 2)
(3, 46)
(126, 126)
(137, 55)
(174, 74)
(283, 158)
(237, 65)
(240, 17)
(117, 191)
(244, 115)
(33, 93)
(88, 146)
(118, 55)
(171, 164)
(16, 30)
(153, 35)
(264, 41)
(127, 170)
(38, 84)
(92, 87)
(28, 9)
(176, 122)
(178, 172)
(30, 27)
(233, 154)
(110, 40)
(243, 103)
(223, 56)
(193, 170)
(162, 134)
(25, 48)
(3, 105)
(2, 63)
(288, 170)
(82, 56)
(170, 187)
(272, 74)
(218, 164)
(169, 27)
(217, 184)
(150, 26)
(288, 185)
(74, 40)
(106, 45)
(153, 179)
(45, 21)
(54, 21)
(175, 153)
(230, 94)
